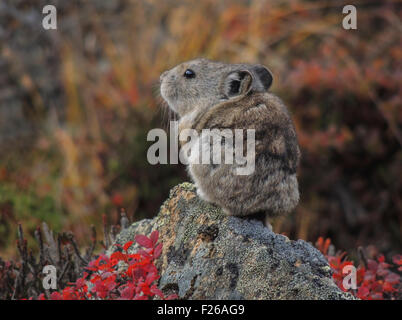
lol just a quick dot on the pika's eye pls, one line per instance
(189, 74)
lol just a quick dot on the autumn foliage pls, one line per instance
(375, 278)
(122, 276)
(128, 274)
(125, 276)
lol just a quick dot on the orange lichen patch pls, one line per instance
(187, 195)
(196, 246)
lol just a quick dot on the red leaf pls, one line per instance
(118, 255)
(42, 296)
(397, 259)
(157, 291)
(372, 264)
(392, 278)
(128, 245)
(143, 241)
(388, 287)
(127, 293)
(363, 292)
(154, 237)
(158, 251)
(55, 296)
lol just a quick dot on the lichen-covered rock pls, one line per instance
(208, 255)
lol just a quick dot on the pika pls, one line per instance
(208, 94)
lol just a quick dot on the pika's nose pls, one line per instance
(163, 75)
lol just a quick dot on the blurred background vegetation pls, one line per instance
(76, 104)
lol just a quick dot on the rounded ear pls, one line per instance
(237, 83)
(264, 77)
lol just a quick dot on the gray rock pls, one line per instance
(208, 255)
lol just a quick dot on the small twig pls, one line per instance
(65, 268)
(105, 233)
(362, 256)
(113, 233)
(32, 264)
(52, 246)
(15, 287)
(47, 294)
(91, 249)
(34, 292)
(102, 244)
(67, 255)
(71, 238)
(22, 248)
(59, 252)
(38, 236)
(20, 241)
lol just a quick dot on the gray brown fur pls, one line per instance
(235, 96)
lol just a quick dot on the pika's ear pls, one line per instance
(262, 76)
(237, 83)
